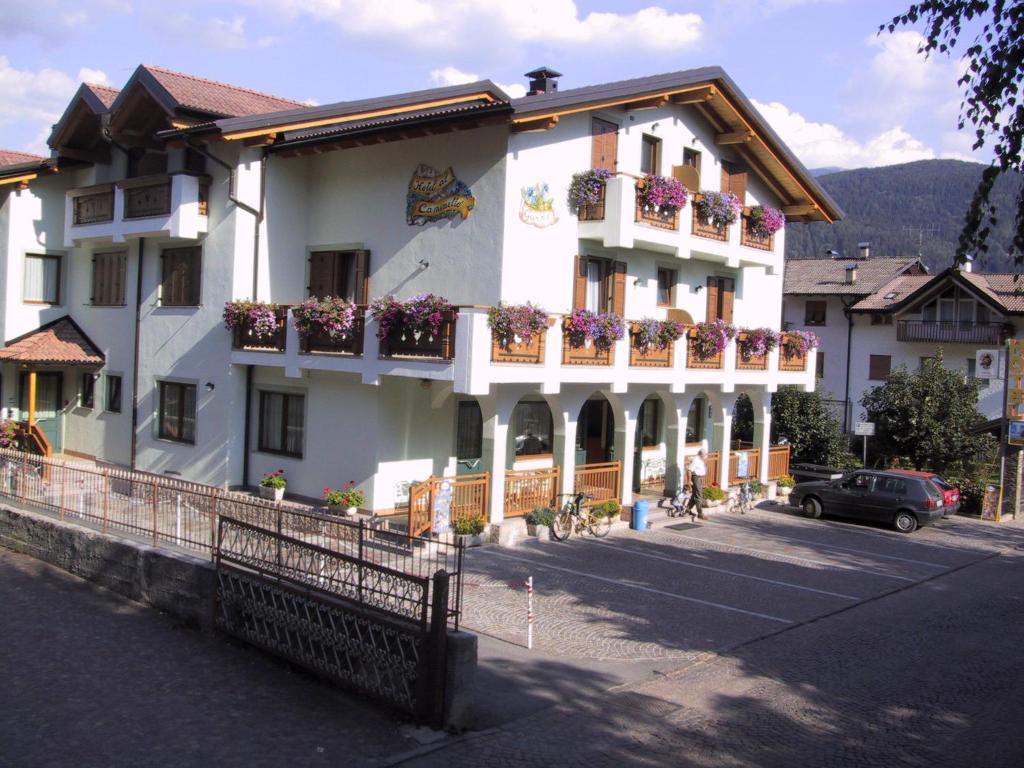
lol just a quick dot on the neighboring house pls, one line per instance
(819, 296)
(906, 318)
(221, 193)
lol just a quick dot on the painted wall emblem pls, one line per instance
(435, 196)
(537, 207)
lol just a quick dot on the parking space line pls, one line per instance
(777, 583)
(856, 551)
(640, 587)
(824, 564)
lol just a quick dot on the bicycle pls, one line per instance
(742, 500)
(575, 516)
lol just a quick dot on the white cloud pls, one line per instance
(37, 99)
(476, 24)
(214, 32)
(454, 76)
(48, 18)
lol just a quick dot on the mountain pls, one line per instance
(823, 171)
(906, 210)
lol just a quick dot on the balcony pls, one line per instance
(953, 332)
(174, 205)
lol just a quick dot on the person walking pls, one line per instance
(698, 470)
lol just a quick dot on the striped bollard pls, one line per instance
(529, 612)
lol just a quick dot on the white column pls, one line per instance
(496, 411)
(627, 409)
(677, 415)
(763, 432)
(565, 411)
(723, 435)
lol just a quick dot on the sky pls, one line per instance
(839, 94)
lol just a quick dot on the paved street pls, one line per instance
(766, 639)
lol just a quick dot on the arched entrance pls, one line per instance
(743, 422)
(532, 433)
(595, 431)
(649, 459)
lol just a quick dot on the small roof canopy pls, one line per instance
(60, 342)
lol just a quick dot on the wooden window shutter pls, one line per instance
(728, 293)
(98, 279)
(323, 273)
(619, 288)
(712, 287)
(182, 274)
(362, 277)
(734, 180)
(579, 283)
(604, 144)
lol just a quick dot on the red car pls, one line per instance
(950, 493)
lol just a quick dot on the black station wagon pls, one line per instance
(903, 501)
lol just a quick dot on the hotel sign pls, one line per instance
(434, 196)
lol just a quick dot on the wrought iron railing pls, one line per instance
(244, 336)
(404, 343)
(349, 344)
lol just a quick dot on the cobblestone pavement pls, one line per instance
(926, 675)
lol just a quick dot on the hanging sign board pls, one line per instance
(743, 464)
(443, 507)
(986, 364)
(865, 428)
(434, 196)
(1015, 432)
(537, 207)
(1015, 380)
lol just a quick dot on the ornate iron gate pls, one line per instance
(296, 600)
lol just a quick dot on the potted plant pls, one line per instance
(419, 316)
(469, 530)
(656, 334)
(711, 338)
(662, 195)
(713, 496)
(587, 188)
(757, 342)
(719, 209)
(798, 343)
(602, 329)
(8, 434)
(609, 509)
(539, 522)
(327, 316)
(253, 318)
(764, 221)
(348, 498)
(272, 485)
(785, 486)
(516, 323)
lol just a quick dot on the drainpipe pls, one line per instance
(135, 355)
(249, 369)
(849, 344)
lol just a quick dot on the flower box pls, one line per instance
(586, 353)
(659, 200)
(648, 355)
(403, 343)
(329, 325)
(792, 362)
(588, 191)
(518, 351)
(256, 326)
(694, 360)
(518, 333)
(760, 224)
(271, 494)
(751, 239)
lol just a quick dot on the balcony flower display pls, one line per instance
(420, 315)
(719, 209)
(711, 338)
(586, 187)
(757, 342)
(258, 317)
(603, 329)
(764, 221)
(272, 485)
(350, 498)
(657, 334)
(661, 193)
(798, 343)
(8, 434)
(516, 322)
(331, 316)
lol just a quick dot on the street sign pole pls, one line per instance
(865, 462)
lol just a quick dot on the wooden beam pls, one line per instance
(263, 140)
(543, 124)
(734, 137)
(803, 209)
(20, 180)
(695, 97)
(655, 102)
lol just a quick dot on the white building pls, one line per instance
(222, 193)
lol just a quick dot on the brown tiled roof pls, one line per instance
(11, 157)
(104, 93)
(216, 98)
(893, 292)
(828, 276)
(1005, 288)
(60, 342)
(1005, 291)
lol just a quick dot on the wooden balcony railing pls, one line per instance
(696, 361)
(749, 362)
(648, 357)
(656, 217)
(601, 481)
(147, 199)
(470, 498)
(32, 439)
(527, 489)
(94, 207)
(752, 240)
(441, 346)
(582, 354)
(349, 344)
(791, 362)
(778, 461)
(244, 338)
(594, 211)
(953, 332)
(523, 352)
(702, 228)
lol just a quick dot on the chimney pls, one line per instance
(543, 80)
(851, 274)
(968, 266)
(865, 250)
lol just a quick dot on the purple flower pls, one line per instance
(798, 343)
(508, 321)
(720, 209)
(586, 187)
(662, 192)
(758, 342)
(713, 337)
(603, 329)
(765, 221)
(328, 315)
(420, 314)
(258, 318)
(659, 334)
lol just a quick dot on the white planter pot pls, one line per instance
(274, 494)
(351, 510)
(470, 539)
(542, 532)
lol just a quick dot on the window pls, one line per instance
(819, 365)
(532, 427)
(180, 282)
(647, 424)
(721, 292)
(862, 482)
(650, 154)
(815, 312)
(695, 421)
(947, 310)
(894, 485)
(282, 423)
(469, 431)
(691, 157)
(339, 273)
(928, 314)
(879, 367)
(108, 274)
(177, 415)
(666, 287)
(965, 311)
(42, 279)
(113, 393)
(599, 287)
(87, 391)
(983, 315)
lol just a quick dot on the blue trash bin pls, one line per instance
(640, 510)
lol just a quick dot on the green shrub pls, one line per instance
(755, 487)
(608, 508)
(972, 493)
(541, 516)
(714, 494)
(469, 526)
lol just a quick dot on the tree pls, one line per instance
(926, 418)
(804, 421)
(991, 104)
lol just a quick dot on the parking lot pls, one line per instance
(636, 604)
